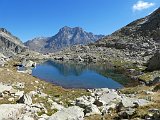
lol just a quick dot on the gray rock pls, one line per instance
(25, 99)
(109, 97)
(4, 87)
(3, 59)
(43, 117)
(155, 81)
(37, 107)
(154, 62)
(84, 101)
(11, 111)
(9, 44)
(26, 117)
(19, 85)
(128, 102)
(127, 113)
(141, 102)
(11, 99)
(92, 110)
(71, 113)
(106, 109)
(56, 106)
(32, 93)
(28, 63)
(43, 95)
(132, 102)
(19, 93)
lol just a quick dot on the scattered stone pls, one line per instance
(5, 88)
(37, 107)
(32, 93)
(56, 106)
(50, 101)
(149, 92)
(71, 113)
(19, 85)
(11, 99)
(43, 117)
(153, 114)
(141, 102)
(36, 81)
(26, 117)
(127, 113)
(43, 95)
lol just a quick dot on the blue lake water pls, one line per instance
(76, 75)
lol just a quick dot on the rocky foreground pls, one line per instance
(101, 102)
(24, 97)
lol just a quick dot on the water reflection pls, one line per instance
(76, 75)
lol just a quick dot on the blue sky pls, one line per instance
(32, 18)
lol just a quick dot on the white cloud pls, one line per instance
(141, 5)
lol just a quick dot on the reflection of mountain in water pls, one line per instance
(67, 68)
(107, 70)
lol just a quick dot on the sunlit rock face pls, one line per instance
(9, 44)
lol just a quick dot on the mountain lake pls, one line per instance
(78, 75)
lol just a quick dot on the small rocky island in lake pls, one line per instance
(78, 75)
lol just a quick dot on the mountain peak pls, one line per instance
(66, 28)
(5, 31)
(66, 37)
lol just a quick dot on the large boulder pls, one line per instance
(84, 101)
(25, 99)
(92, 110)
(28, 63)
(4, 87)
(132, 102)
(56, 106)
(71, 113)
(11, 111)
(154, 62)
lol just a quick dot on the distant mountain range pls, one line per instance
(140, 35)
(66, 37)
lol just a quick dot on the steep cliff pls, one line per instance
(9, 44)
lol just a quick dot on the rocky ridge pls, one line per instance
(9, 44)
